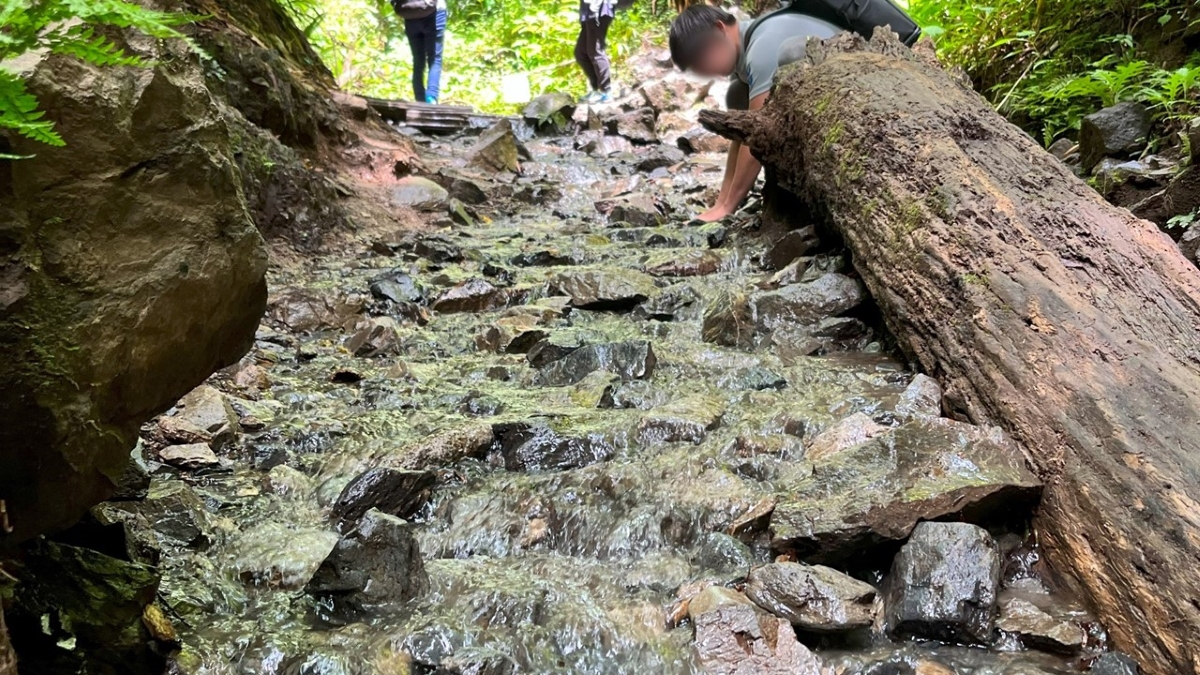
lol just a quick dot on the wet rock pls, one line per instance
(846, 433)
(638, 210)
(943, 584)
(722, 553)
(511, 335)
(172, 511)
(600, 145)
(673, 125)
(539, 195)
(461, 214)
(739, 640)
(1130, 183)
(376, 337)
(1117, 131)
(285, 481)
(551, 112)
(677, 303)
(465, 189)
(922, 398)
(688, 263)
(90, 601)
(304, 310)
(398, 287)
(878, 490)
(637, 126)
(660, 157)
(554, 347)
(754, 378)
(444, 448)
(547, 257)
(729, 320)
(498, 149)
(438, 248)
(474, 295)
(1039, 622)
(537, 447)
(203, 416)
(375, 564)
(278, 556)
(1114, 663)
(419, 193)
(191, 456)
(808, 303)
(685, 421)
(615, 290)
(699, 141)
(395, 492)
(789, 247)
(815, 598)
(478, 404)
(135, 480)
(632, 360)
(712, 597)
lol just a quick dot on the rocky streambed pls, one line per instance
(559, 429)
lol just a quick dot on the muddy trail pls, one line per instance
(559, 429)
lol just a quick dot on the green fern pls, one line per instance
(68, 28)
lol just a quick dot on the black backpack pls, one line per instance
(414, 9)
(859, 16)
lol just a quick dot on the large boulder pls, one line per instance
(132, 269)
(1117, 131)
(879, 489)
(103, 607)
(943, 585)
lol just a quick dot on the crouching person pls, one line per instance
(711, 42)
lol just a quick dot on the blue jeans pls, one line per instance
(425, 38)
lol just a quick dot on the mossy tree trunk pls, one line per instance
(1039, 306)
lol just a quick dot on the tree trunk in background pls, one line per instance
(1039, 306)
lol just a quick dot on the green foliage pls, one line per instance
(1183, 220)
(362, 42)
(68, 28)
(1047, 63)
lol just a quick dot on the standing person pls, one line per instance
(595, 16)
(425, 37)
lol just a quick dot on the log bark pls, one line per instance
(1040, 307)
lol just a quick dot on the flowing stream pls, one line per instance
(561, 546)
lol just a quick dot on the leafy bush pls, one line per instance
(70, 28)
(1047, 64)
(362, 42)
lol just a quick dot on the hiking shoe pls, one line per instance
(591, 97)
(431, 99)
(603, 97)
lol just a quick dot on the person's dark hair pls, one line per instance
(691, 32)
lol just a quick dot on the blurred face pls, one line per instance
(718, 57)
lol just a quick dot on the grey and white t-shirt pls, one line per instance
(758, 60)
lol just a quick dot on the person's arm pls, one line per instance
(741, 170)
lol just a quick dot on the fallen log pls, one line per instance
(1039, 306)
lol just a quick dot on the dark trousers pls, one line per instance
(425, 37)
(590, 51)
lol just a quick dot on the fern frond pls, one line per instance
(18, 111)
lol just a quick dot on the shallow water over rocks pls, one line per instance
(592, 417)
